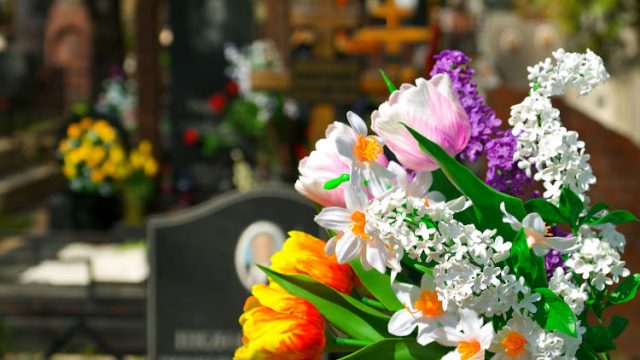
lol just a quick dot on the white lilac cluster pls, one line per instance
(557, 346)
(557, 155)
(597, 259)
(583, 71)
(562, 284)
(466, 271)
(468, 275)
(386, 220)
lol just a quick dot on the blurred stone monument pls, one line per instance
(201, 28)
(202, 267)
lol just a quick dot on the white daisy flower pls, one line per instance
(537, 235)
(517, 340)
(471, 337)
(353, 240)
(364, 151)
(422, 309)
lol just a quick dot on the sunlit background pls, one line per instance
(114, 110)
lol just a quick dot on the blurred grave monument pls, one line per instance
(201, 29)
(202, 267)
(68, 46)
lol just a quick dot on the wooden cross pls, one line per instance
(392, 35)
(324, 17)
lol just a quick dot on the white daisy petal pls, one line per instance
(334, 218)
(345, 146)
(375, 255)
(357, 124)
(534, 222)
(401, 323)
(347, 248)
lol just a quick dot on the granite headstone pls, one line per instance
(202, 267)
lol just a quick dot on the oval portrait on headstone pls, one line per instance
(257, 243)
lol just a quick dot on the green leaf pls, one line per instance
(347, 314)
(626, 290)
(334, 183)
(398, 348)
(570, 205)
(549, 212)
(525, 263)
(424, 269)
(486, 199)
(596, 209)
(586, 352)
(559, 315)
(379, 285)
(390, 85)
(442, 184)
(616, 217)
(617, 326)
(599, 339)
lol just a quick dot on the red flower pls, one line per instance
(217, 103)
(190, 136)
(232, 88)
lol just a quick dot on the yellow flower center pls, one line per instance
(468, 348)
(426, 202)
(429, 304)
(367, 148)
(359, 221)
(514, 343)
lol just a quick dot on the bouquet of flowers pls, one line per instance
(428, 261)
(137, 186)
(92, 156)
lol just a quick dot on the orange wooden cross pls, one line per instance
(393, 35)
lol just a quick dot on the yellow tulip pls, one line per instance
(277, 325)
(304, 254)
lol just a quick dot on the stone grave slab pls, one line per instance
(201, 268)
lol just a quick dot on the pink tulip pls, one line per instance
(431, 108)
(323, 164)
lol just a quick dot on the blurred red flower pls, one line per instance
(217, 103)
(232, 88)
(190, 136)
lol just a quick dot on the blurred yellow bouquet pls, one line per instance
(92, 156)
(137, 186)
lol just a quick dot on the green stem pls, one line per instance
(352, 342)
(374, 303)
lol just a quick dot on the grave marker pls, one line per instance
(201, 268)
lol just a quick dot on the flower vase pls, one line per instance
(93, 211)
(134, 198)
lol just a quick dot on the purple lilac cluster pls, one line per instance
(503, 173)
(482, 119)
(553, 259)
(486, 137)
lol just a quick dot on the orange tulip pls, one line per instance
(304, 254)
(277, 325)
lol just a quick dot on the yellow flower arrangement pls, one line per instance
(86, 156)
